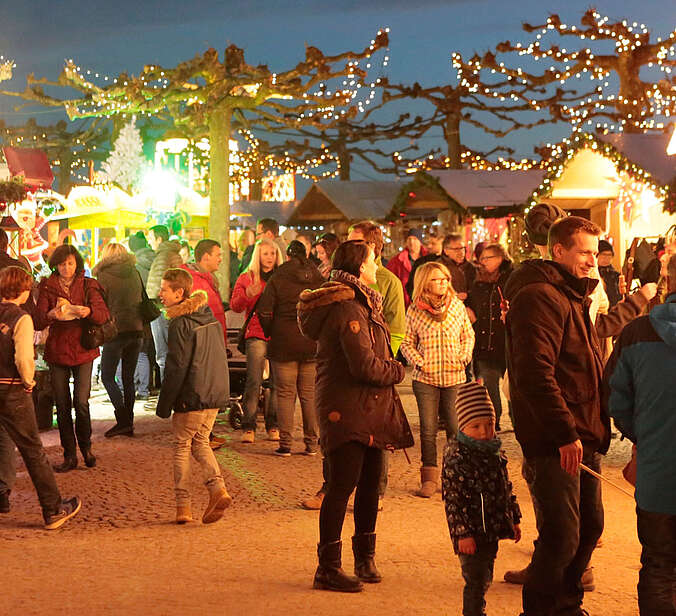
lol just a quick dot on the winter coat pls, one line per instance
(63, 346)
(484, 300)
(121, 283)
(205, 281)
(641, 380)
(196, 372)
(554, 360)
(394, 305)
(477, 493)
(356, 373)
(401, 266)
(144, 261)
(167, 256)
(438, 350)
(462, 276)
(240, 302)
(277, 311)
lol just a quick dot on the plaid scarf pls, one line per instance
(435, 305)
(374, 298)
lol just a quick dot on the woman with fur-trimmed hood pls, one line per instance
(360, 412)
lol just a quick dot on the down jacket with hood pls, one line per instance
(196, 372)
(356, 372)
(122, 285)
(166, 256)
(641, 382)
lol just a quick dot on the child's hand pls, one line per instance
(517, 533)
(467, 545)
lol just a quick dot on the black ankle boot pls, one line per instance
(329, 574)
(68, 465)
(364, 550)
(89, 458)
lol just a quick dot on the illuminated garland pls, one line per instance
(421, 180)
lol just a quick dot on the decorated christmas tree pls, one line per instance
(126, 164)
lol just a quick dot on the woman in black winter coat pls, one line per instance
(121, 282)
(292, 356)
(483, 303)
(360, 412)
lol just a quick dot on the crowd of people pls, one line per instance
(560, 338)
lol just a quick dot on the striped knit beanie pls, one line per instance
(472, 402)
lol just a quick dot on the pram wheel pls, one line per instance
(235, 415)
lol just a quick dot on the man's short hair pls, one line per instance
(563, 230)
(160, 231)
(14, 281)
(204, 247)
(178, 278)
(451, 237)
(268, 224)
(372, 234)
(4, 240)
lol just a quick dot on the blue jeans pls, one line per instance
(82, 381)
(17, 418)
(142, 374)
(7, 463)
(433, 402)
(477, 571)
(255, 364)
(160, 330)
(657, 578)
(123, 349)
(491, 373)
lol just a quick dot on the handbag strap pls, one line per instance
(144, 294)
(250, 315)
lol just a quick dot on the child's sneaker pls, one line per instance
(67, 510)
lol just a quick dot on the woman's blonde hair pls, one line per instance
(255, 263)
(423, 275)
(112, 250)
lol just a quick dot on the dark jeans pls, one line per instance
(142, 373)
(255, 366)
(7, 465)
(657, 578)
(477, 571)
(17, 417)
(432, 403)
(160, 330)
(124, 348)
(352, 465)
(569, 518)
(82, 380)
(491, 373)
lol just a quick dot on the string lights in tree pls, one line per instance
(6, 67)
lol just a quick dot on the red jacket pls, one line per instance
(240, 302)
(63, 343)
(204, 281)
(400, 266)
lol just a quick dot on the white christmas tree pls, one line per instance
(126, 164)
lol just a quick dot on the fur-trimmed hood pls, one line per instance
(315, 305)
(190, 306)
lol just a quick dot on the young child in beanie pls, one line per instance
(477, 494)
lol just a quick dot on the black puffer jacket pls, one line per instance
(122, 286)
(356, 373)
(489, 330)
(277, 310)
(196, 372)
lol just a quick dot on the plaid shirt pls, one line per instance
(439, 350)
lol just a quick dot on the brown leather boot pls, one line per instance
(313, 502)
(183, 514)
(428, 479)
(218, 503)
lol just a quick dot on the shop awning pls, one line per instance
(33, 165)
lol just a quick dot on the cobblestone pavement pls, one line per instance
(124, 555)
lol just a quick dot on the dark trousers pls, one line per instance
(124, 348)
(352, 465)
(82, 377)
(569, 518)
(477, 571)
(657, 578)
(491, 373)
(17, 417)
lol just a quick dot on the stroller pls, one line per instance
(237, 373)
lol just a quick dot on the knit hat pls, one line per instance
(415, 233)
(137, 241)
(538, 220)
(472, 402)
(605, 246)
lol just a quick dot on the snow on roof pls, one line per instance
(648, 151)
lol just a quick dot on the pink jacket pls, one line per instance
(204, 281)
(240, 302)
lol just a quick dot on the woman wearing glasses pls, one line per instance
(438, 344)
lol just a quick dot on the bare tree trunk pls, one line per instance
(256, 182)
(452, 135)
(219, 190)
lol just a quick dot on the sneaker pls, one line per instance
(248, 436)
(310, 451)
(273, 434)
(67, 510)
(151, 405)
(142, 397)
(313, 502)
(118, 430)
(216, 442)
(218, 503)
(283, 451)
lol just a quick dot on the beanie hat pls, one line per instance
(605, 246)
(137, 241)
(472, 402)
(538, 220)
(415, 233)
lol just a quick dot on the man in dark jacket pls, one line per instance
(555, 368)
(641, 375)
(195, 389)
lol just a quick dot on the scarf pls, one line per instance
(492, 446)
(483, 276)
(436, 306)
(374, 298)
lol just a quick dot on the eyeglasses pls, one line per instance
(456, 249)
(488, 258)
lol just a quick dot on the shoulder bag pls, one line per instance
(148, 308)
(93, 335)
(241, 337)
